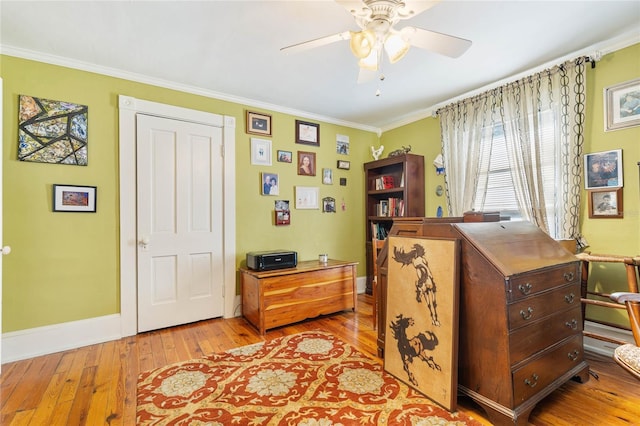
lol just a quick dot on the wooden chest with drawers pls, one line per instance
(520, 318)
(284, 296)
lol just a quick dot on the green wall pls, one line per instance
(613, 236)
(610, 236)
(65, 267)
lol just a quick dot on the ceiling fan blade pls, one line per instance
(366, 75)
(322, 41)
(443, 44)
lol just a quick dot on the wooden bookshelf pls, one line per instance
(394, 187)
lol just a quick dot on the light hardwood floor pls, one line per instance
(96, 385)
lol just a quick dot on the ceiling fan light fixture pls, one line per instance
(370, 62)
(362, 43)
(396, 46)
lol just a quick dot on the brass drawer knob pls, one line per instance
(525, 288)
(569, 298)
(568, 276)
(528, 314)
(533, 382)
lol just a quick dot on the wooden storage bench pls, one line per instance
(274, 298)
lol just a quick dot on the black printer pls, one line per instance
(274, 259)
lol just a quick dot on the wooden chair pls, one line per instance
(628, 355)
(631, 286)
(376, 246)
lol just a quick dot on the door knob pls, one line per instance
(144, 242)
(6, 250)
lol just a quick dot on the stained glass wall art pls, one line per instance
(52, 131)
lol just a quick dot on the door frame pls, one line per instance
(128, 108)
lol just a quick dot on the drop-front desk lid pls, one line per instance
(515, 247)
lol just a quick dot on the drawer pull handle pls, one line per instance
(525, 289)
(527, 315)
(568, 276)
(533, 382)
(573, 355)
(573, 324)
(569, 298)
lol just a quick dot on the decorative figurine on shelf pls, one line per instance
(401, 151)
(377, 152)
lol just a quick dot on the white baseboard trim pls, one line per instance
(23, 344)
(600, 346)
(361, 285)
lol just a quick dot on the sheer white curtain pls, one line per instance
(537, 125)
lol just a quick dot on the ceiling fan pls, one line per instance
(376, 19)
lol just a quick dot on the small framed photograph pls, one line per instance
(260, 152)
(344, 165)
(74, 198)
(306, 163)
(283, 214)
(603, 169)
(258, 123)
(342, 144)
(285, 156)
(622, 105)
(605, 204)
(307, 197)
(307, 133)
(328, 205)
(269, 183)
(327, 176)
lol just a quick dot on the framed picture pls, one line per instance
(327, 176)
(307, 197)
(605, 204)
(283, 214)
(258, 124)
(307, 133)
(421, 348)
(328, 205)
(260, 152)
(344, 165)
(622, 105)
(306, 163)
(603, 169)
(74, 198)
(285, 156)
(342, 144)
(269, 183)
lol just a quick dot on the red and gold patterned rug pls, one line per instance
(311, 379)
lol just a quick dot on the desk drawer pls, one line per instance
(529, 284)
(534, 308)
(527, 341)
(538, 374)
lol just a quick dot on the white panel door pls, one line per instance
(180, 234)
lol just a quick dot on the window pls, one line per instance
(496, 189)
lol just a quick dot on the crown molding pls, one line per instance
(139, 78)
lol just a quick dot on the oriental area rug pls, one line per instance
(306, 379)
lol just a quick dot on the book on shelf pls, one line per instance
(384, 182)
(379, 231)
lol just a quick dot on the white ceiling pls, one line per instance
(231, 49)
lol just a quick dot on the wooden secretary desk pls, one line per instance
(520, 319)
